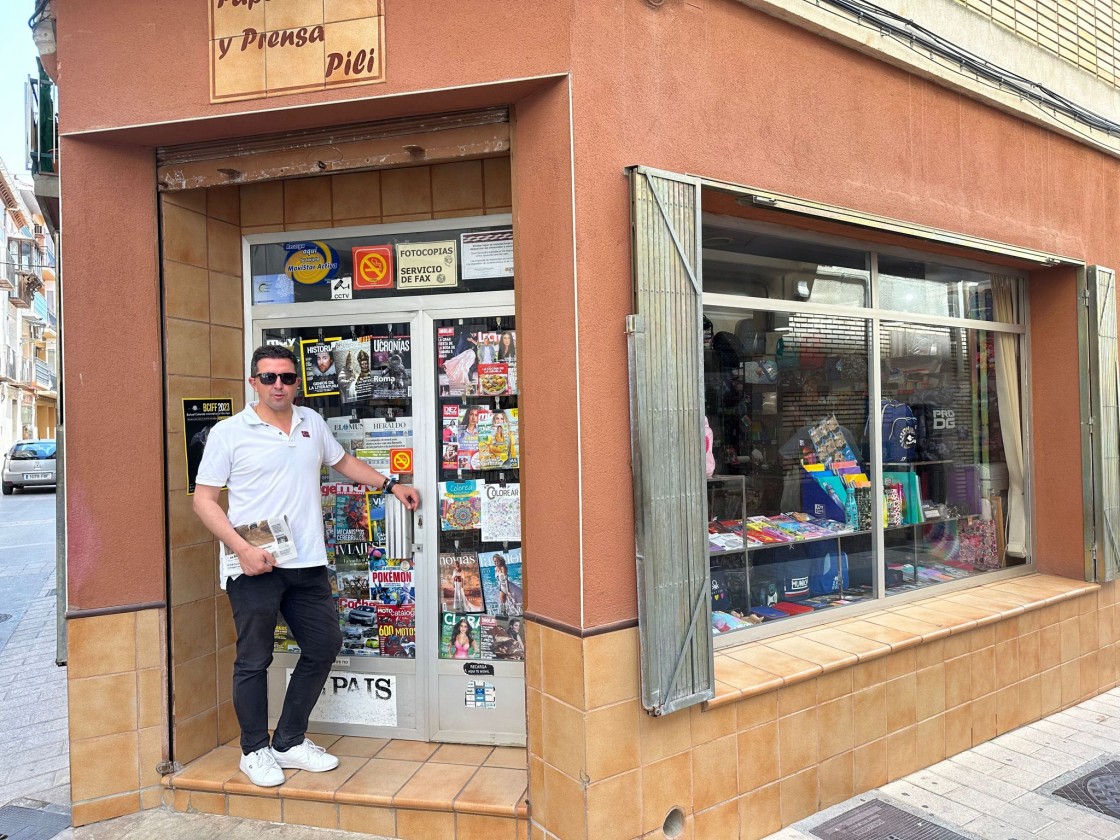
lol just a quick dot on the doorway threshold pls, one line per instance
(395, 788)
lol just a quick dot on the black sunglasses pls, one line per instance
(270, 378)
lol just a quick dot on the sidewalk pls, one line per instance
(1057, 779)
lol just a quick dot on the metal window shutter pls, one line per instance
(667, 442)
(1100, 410)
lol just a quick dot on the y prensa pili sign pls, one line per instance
(262, 48)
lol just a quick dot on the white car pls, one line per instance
(29, 463)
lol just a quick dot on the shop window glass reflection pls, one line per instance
(786, 397)
(948, 468)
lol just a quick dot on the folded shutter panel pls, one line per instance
(667, 429)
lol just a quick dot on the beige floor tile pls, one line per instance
(493, 790)
(434, 786)
(377, 781)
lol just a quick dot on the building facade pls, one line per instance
(533, 257)
(28, 379)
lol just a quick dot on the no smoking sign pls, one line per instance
(400, 461)
(373, 267)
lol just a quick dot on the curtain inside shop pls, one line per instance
(1010, 414)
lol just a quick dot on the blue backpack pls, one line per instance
(900, 432)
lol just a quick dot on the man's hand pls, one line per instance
(409, 496)
(255, 561)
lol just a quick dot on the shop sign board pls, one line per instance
(428, 265)
(310, 262)
(348, 697)
(487, 254)
(261, 48)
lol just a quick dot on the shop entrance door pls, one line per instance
(432, 644)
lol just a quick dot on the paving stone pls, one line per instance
(940, 808)
(1066, 813)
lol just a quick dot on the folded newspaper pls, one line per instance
(272, 535)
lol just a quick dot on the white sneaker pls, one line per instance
(261, 768)
(306, 756)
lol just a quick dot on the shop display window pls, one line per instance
(854, 454)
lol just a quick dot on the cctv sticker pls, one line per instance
(342, 289)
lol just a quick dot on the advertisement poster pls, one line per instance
(310, 263)
(273, 288)
(381, 436)
(428, 265)
(487, 254)
(199, 416)
(373, 267)
(320, 379)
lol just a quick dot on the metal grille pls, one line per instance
(878, 820)
(20, 823)
(1098, 790)
(667, 429)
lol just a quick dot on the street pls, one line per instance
(33, 713)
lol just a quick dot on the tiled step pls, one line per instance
(405, 789)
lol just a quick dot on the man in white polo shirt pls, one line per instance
(269, 457)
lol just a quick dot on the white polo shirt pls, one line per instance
(270, 473)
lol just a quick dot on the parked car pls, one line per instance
(29, 463)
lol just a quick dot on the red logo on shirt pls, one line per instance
(306, 434)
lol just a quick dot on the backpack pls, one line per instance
(900, 432)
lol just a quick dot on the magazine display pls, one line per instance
(391, 366)
(391, 583)
(375, 516)
(457, 362)
(351, 522)
(358, 619)
(497, 440)
(501, 512)
(350, 434)
(501, 581)
(502, 638)
(272, 535)
(353, 363)
(320, 379)
(476, 363)
(381, 435)
(396, 630)
(460, 505)
(460, 582)
(461, 636)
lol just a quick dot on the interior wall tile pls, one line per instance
(185, 291)
(307, 200)
(262, 203)
(184, 235)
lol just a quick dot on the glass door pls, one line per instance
(478, 692)
(433, 643)
(363, 377)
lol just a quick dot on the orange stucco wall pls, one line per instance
(113, 386)
(708, 87)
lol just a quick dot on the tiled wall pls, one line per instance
(204, 316)
(1083, 32)
(204, 357)
(600, 767)
(118, 722)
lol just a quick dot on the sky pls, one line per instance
(17, 62)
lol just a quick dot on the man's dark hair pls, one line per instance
(272, 351)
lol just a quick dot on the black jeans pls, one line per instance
(304, 598)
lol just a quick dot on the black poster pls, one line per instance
(199, 416)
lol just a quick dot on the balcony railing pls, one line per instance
(45, 378)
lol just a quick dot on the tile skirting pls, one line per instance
(758, 667)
